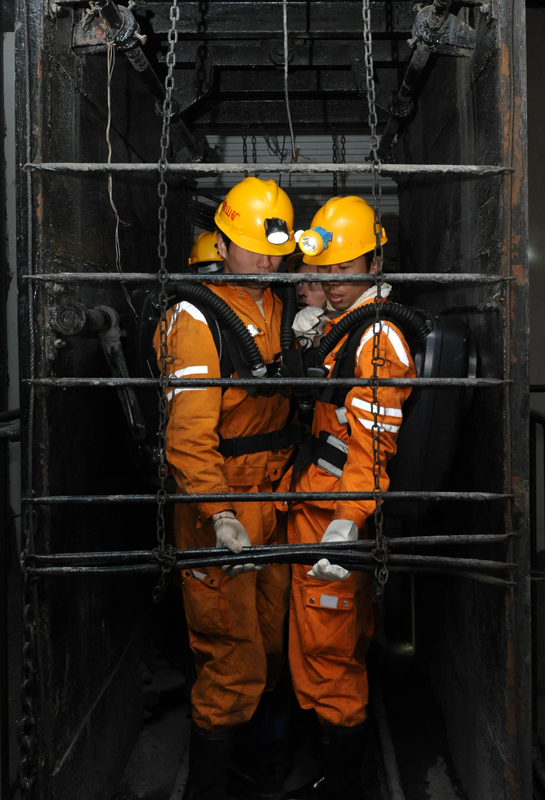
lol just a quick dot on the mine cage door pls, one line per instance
(88, 148)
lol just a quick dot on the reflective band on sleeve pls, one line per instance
(328, 601)
(368, 423)
(192, 310)
(327, 466)
(182, 373)
(401, 353)
(199, 575)
(340, 413)
(253, 330)
(382, 412)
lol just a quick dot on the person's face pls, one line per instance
(309, 293)
(343, 295)
(238, 261)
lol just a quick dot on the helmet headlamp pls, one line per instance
(276, 231)
(314, 241)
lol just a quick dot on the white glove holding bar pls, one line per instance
(339, 530)
(309, 323)
(232, 534)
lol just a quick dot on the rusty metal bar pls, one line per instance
(258, 497)
(64, 383)
(264, 554)
(125, 556)
(279, 277)
(139, 569)
(474, 170)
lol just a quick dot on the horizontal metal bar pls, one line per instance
(137, 556)
(278, 277)
(258, 497)
(280, 554)
(136, 569)
(473, 170)
(64, 383)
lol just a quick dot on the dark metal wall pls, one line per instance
(90, 631)
(477, 639)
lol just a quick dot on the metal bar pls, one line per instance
(282, 277)
(139, 569)
(257, 497)
(363, 544)
(274, 554)
(393, 777)
(537, 387)
(474, 170)
(299, 382)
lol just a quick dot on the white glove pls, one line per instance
(232, 534)
(339, 530)
(309, 323)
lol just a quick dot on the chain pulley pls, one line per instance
(380, 551)
(164, 553)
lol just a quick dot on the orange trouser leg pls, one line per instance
(331, 625)
(235, 624)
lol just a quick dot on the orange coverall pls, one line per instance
(235, 624)
(331, 622)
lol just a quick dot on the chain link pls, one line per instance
(343, 161)
(380, 551)
(254, 149)
(164, 554)
(28, 726)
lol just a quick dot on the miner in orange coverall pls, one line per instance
(235, 616)
(331, 609)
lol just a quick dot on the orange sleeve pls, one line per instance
(192, 432)
(358, 471)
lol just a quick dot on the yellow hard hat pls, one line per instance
(258, 216)
(204, 251)
(341, 230)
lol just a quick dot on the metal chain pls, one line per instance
(28, 726)
(201, 76)
(244, 148)
(380, 551)
(254, 149)
(163, 553)
(335, 159)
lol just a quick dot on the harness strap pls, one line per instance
(326, 451)
(262, 442)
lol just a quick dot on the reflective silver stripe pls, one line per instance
(334, 441)
(382, 411)
(192, 310)
(401, 353)
(181, 373)
(328, 467)
(253, 330)
(368, 423)
(340, 413)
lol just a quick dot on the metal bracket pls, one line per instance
(451, 37)
(93, 32)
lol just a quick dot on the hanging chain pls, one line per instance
(163, 553)
(335, 159)
(254, 149)
(244, 148)
(28, 726)
(380, 551)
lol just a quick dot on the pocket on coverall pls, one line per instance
(205, 606)
(330, 623)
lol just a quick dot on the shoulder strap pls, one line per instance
(344, 365)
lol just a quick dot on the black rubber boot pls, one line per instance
(209, 759)
(343, 752)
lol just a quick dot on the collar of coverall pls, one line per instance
(368, 294)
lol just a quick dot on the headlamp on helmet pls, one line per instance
(314, 241)
(276, 231)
